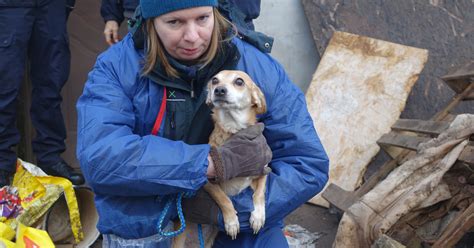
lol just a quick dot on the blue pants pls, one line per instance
(38, 34)
(272, 238)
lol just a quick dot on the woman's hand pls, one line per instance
(201, 208)
(211, 170)
(245, 153)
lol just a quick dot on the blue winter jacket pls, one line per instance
(133, 173)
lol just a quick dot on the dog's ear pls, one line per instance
(209, 93)
(258, 100)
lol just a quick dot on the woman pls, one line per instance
(165, 65)
(240, 12)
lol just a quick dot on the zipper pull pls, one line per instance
(172, 123)
(192, 89)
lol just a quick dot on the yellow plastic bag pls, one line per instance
(29, 188)
(6, 231)
(40, 193)
(28, 237)
(36, 198)
(71, 201)
(6, 243)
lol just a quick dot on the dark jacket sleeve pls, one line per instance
(299, 164)
(112, 10)
(117, 161)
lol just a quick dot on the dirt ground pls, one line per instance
(316, 219)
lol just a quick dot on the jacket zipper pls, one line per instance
(172, 134)
(172, 122)
(192, 89)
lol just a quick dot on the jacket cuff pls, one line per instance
(113, 18)
(218, 166)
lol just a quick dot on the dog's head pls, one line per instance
(235, 90)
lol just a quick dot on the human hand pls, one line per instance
(245, 153)
(111, 32)
(201, 208)
(211, 170)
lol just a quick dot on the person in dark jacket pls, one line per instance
(143, 129)
(114, 12)
(240, 12)
(34, 30)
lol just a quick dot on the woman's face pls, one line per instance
(186, 33)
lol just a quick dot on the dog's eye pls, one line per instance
(215, 81)
(239, 82)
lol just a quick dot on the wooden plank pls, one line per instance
(401, 140)
(466, 71)
(470, 96)
(339, 197)
(456, 229)
(458, 85)
(421, 126)
(461, 78)
(388, 166)
(456, 100)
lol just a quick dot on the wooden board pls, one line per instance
(421, 126)
(402, 141)
(456, 229)
(356, 95)
(461, 78)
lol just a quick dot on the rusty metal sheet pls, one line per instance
(357, 93)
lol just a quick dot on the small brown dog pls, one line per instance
(235, 101)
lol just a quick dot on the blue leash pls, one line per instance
(201, 238)
(179, 198)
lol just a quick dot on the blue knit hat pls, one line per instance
(154, 8)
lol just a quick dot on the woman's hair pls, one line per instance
(155, 50)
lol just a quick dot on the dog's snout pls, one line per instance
(220, 91)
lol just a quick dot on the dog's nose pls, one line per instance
(220, 91)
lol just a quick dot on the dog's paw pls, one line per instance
(232, 226)
(257, 218)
